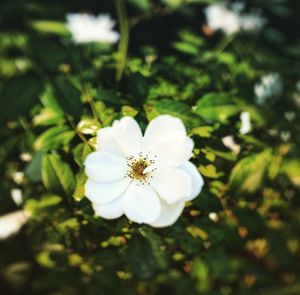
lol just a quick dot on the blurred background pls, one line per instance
(229, 69)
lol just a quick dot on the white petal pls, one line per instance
(128, 135)
(245, 123)
(172, 151)
(169, 213)
(17, 196)
(106, 142)
(141, 203)
(11, 223)
(171, 184)
(161, 126)
(110, 210)
(197, 179)
(102, 193)
(103, 167)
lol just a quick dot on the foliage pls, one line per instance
(240, 236)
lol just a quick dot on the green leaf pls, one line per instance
(71, 223)
(49, 101)
(138, 86)
(33, 169)
(186, 48)
(51, 27)
(57, 175)
(129, 111)
(200, 271)
(35, 206)
(248, 174)
(54, 138)
(208, 202)
(44, 259)
(48, 116)
(18, 96)
(80, 186)
(158, 249)
(291, 168)
(141, 4)
(209, 171)
(67, 96)
(141, 258)
(217, 106)
(174, 108)
(203, 131)
(109, 96)
(80, 152)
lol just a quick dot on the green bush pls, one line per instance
(239, 236)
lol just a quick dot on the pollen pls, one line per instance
(137, 166)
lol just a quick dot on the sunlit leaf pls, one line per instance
(248, 174)
(57, 175)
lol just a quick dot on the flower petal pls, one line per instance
(106, 142)
(169, 213)
(171, 184)
(172, 151)
(128, 135)
(161, 126)
(197, 179)
(102, 193)
(110, 210)
(141, 203)
(104, 167)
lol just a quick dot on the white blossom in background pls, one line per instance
(89, 28)
(11, 223)
(18, 177)
(213, 216)
(245, 123)
(17, 196)
(290, 116)
(26, 157)
(285, 135)
(230, 143)
(221, 18)
(270, 85)
(232, 20)
(148, 178)
(252, 22)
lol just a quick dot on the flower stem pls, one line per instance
(224, 43)
(90, 100)
(123, 44)
(81, 136)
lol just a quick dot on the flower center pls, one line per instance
(137, 166)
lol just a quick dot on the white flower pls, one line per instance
(252, 22)
(229, 142)
(213, 216)
(221, 18)
(270, 85)
(11, 223)
(26, 157)
(148, 178)
(285, 135)
(290, 116)
(88, 28)
(245, 123)
(231, 21)
(17, 196)
(18, 177)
